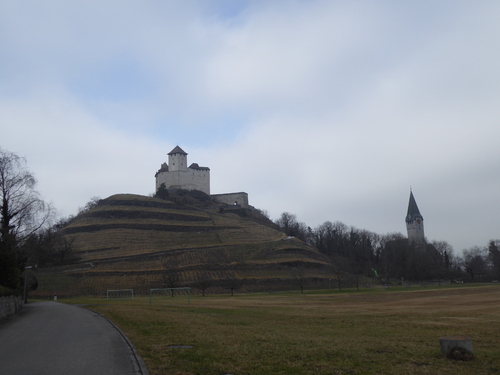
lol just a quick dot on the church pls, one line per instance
(414, 222)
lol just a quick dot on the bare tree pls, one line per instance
(170, 275)
(203, 285)
(64, 248)
(393, 256)
(475, 261)
(288, 223)
(50, 248)
(340, 266)
(494, 256)
(22, 213)
(299, 275)
(232, 284)
(171, 279)
(441, 259)
(332, 238)
(93, 202)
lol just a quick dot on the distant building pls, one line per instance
(177, 175)
(414, 222)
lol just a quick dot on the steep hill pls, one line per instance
(139, 242)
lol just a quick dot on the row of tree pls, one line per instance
(28, 231)
(392, 256)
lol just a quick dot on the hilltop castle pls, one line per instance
(414, 222)
(177, 175)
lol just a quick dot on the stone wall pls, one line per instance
(232, 198)
(189, 179)
(10, 305)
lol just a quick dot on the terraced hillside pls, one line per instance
(138, 242)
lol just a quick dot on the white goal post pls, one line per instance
(120, 293)
(169, 292)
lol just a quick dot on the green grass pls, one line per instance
(378, 332)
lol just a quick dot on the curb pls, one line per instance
(139, 365)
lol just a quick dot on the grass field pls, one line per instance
(377, 331)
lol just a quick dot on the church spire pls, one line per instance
(413, 211)
(414, 222)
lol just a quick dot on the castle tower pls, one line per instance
(414, 222)
(177, 159)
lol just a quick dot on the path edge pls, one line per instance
(139, 365)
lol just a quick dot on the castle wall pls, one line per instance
(232, 198)
(189, 179)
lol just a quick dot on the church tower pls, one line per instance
(414, 222)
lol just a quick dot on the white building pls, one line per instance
(177, 175)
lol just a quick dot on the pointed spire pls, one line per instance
(413, 212)
(177, 150)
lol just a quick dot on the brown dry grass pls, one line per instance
(378, 332)
(220, 230)
(136, 235)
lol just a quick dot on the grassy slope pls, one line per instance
(115, 231)
(130, 240)
(374, 332)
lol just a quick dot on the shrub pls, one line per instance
(4, 291)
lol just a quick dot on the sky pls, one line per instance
(330, 110)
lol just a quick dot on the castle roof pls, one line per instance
(413, 212)
(164, 168)
(177, 150)
(196, 166)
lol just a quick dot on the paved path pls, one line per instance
(50, 338)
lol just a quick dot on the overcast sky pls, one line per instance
(330, 110)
